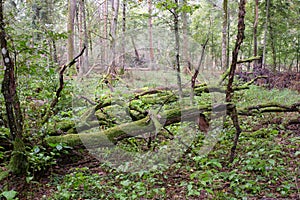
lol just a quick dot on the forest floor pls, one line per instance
(280, 183)
(267, 167)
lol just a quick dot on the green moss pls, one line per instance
(18, 162)
(64, 126)
(3, 174)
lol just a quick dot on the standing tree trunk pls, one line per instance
(224, 34)
(123, 36)
(150, 31)
(83, 39)
(185, 48)
(177, 48)
(265, 33)
(71, 18)
(298, 56)
(103, 30)
(18, 162)
(273, 47)
(273, 41)
(113, 32)
(229, 90)
(255, 32)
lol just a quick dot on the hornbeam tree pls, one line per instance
(18, 161)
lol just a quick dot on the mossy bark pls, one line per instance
(104, 138)
(18, 162)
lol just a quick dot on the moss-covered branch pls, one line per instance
(270, 107)
(102, 138)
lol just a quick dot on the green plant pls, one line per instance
(9, 195)
(40, 158)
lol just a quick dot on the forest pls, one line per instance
(148, 99)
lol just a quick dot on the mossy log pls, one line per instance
(269, 107)
(109, 137)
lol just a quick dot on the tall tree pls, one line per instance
(113, 32)
(151, 51)
(71, 20)
(18, 162)
(185, 52)
(83, 38)
(123, 34)
(265, 32)
(104, 29)
(175, 13)
(255, 31)
(224, 34)
(255, 28)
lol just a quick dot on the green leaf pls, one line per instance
(272, 162)
(125, 183)
(59, 147)
(36, 149)
(9, 195)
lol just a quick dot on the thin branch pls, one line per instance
(61, 85)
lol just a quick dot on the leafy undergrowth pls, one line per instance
(266, 165)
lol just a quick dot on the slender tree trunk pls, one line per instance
(273, 47)
(255, 31)
(71, 19)
(298, 52)
(83, 38)
(212, 44)
(54, 55)
(185, 47)
(18, 161)
(224, 34)
(265, 33)
(273, 41)
(177, 48)
(151, 50)
(104, 31)
(123, 35)
(229, 90)
(80, 37)
(228, 36)
(113, 32)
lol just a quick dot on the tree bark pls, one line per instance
(123, 35)
(151, 51)
(185, 48)
(177, 47)
(18, 161)
(273, 46)
(265, 33)
(229, 91)
(194, 77)
(83, 39)
(238, 43)
(111, 136)
(224, 34)
(113, 32)
(255, 31)
(71, 19)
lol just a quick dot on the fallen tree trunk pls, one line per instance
(109, 137)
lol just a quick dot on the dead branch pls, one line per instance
(229, 91)
(61, 86)
(249, 59)
(267, 108)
